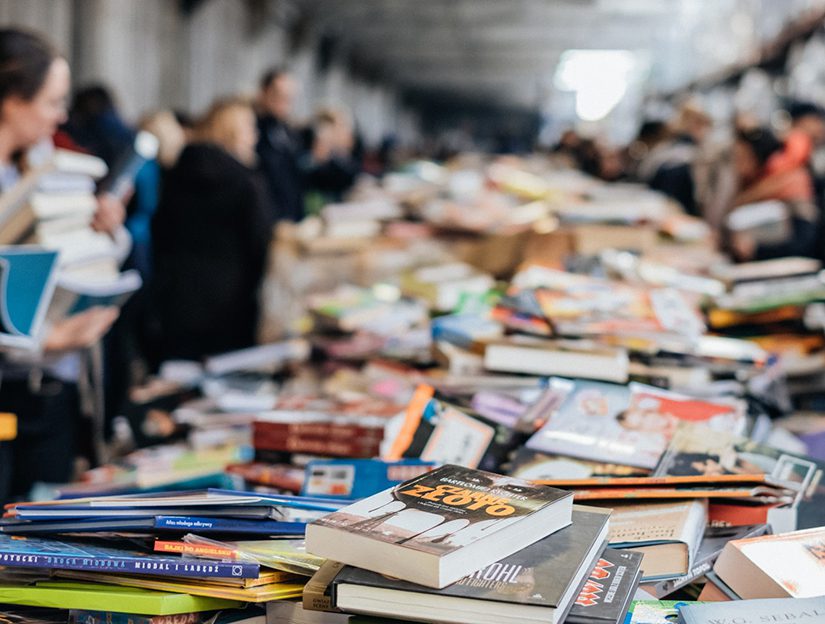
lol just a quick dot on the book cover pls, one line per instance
(630, 425)
(196, 587)
(655, 611)
(710, 548)
(771, 566)
(696, 450)
(100, 597)
(33, 552)
(79, 616)
(586, 426)
(444, 510)
(768, 610)
(542, 574)
(27, 280)
(608, 590)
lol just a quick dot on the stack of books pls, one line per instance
(465, 546)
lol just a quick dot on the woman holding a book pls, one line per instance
(40, 387)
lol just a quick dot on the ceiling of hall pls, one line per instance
(507, 51)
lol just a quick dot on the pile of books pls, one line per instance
(480, 345)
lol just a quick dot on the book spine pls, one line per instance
(319, 430)
(195, 550)
(132, 565)
(108, 617)
(227, 525)
(317, 447)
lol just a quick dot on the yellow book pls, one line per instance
(194, 587)
(8, 426)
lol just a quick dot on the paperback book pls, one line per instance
(536, 584)
(439, 527)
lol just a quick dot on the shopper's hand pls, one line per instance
(110, 214)
(743, 246)
(80, 330)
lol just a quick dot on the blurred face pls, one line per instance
(33, 120)
(245, 136)
(814, 127)
(647, 420)
(745, 162)
(279, 97)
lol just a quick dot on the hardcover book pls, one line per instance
(536, 584)
(441, 526)
(667, 534)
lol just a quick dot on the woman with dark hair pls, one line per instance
(753, 152)
(34, 82)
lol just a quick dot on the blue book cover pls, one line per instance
(27, 280)
(191, 524)
(769, 610)
(35, 552)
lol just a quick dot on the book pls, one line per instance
(667, 534)
(545, 469)
(85, 616)
(34, 552)
(536, 584)
(441, 526)
(606, 595)
(534, 356)
(587, 426)
(75, 294)
(101, 597)
(194, 587)
(359, 478)
(696, 450)
(762, 270)
(788, 565)
(709, 550)
(80, 205)
(27, 279)
(771, 610)
(655, 611)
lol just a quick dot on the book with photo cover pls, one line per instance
(696, 450)
(441, 526)
(536, 584)
(606, 595)
(629, 425)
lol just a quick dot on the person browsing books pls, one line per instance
(40, 387)
(210, 235)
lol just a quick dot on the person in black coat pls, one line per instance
(279, 147)
(211, 234)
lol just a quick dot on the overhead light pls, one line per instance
(598, 77)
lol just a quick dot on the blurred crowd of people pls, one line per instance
(201, 217)
(710, 178)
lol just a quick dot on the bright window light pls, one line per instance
(599, 78)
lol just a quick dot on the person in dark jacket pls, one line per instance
(210, 235)
(279, 146)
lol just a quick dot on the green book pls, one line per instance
(655, 611)
(98, 597)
